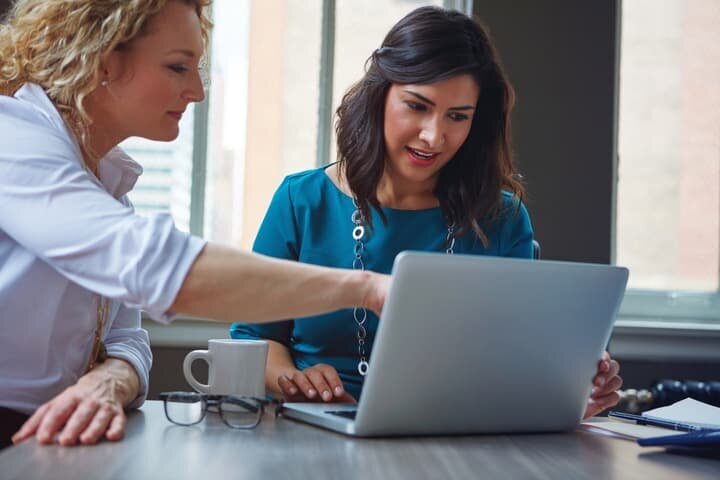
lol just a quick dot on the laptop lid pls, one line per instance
(470, 344)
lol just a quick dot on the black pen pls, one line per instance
(641, 420)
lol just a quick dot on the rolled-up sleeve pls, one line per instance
(126, 340)
(51, 206)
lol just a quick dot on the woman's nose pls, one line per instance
(196, 90)
(432, 134)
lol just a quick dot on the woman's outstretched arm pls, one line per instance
(231, 285)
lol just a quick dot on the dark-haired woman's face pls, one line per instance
(425, 125)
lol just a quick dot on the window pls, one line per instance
(263, 109)
(278, 70)
(166, 182)
(668, 198)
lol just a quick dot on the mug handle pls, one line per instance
(187, 364)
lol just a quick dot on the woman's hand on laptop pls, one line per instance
(319, 383)
(606, 383)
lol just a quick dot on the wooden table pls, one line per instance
(280, 448)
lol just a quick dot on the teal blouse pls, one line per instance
(309, 220)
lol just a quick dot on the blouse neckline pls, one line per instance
(348, 198)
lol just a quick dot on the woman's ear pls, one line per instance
(112, 67)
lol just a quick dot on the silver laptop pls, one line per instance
(470, 344)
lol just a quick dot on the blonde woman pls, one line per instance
(77, 77)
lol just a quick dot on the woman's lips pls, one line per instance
(176, 115)
(420, 157)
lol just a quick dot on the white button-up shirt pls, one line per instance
(65, 239)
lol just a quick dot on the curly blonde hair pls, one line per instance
(59, 45)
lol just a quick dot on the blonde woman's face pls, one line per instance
(151, 83)
(425, 125)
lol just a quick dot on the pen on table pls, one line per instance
(640, 420)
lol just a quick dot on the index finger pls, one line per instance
(31, 424)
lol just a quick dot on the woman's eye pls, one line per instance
(416, 106)
(458, 117)
(178, 68)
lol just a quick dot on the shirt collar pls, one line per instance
(117, 171)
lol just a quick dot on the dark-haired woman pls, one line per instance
(424, 164)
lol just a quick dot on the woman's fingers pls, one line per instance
(57, 415)
(333, 380)
(328, 383)
(598, 404)
(99, 425)
(78, 422)
(317, 378)
(614, 368)
(83, 412)
(116, 431)
(607, 369)
(287, 386)
(318, 383)
(304, 384)
(606, 382)
(31, 425)
(610, 386)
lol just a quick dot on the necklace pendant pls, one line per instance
(363, 367)
(358, 232)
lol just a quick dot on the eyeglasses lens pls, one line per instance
(184, 409)
(240, 412)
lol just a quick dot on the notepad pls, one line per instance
(688, 411)
(628, 431)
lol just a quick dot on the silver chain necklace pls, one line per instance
(359, 313)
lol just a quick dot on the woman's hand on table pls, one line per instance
(88, 411)
(319, 383)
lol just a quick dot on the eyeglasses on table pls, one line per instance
(190, 408)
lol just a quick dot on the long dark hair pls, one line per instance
(428, 45)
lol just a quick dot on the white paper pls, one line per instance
(689, 411)
(629, 431)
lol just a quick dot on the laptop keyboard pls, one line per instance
(343, 413)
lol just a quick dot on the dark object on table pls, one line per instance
(667, 392)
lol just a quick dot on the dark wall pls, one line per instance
(561, 57)
(166, 374)
(4, 5)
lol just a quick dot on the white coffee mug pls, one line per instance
(236, 367)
